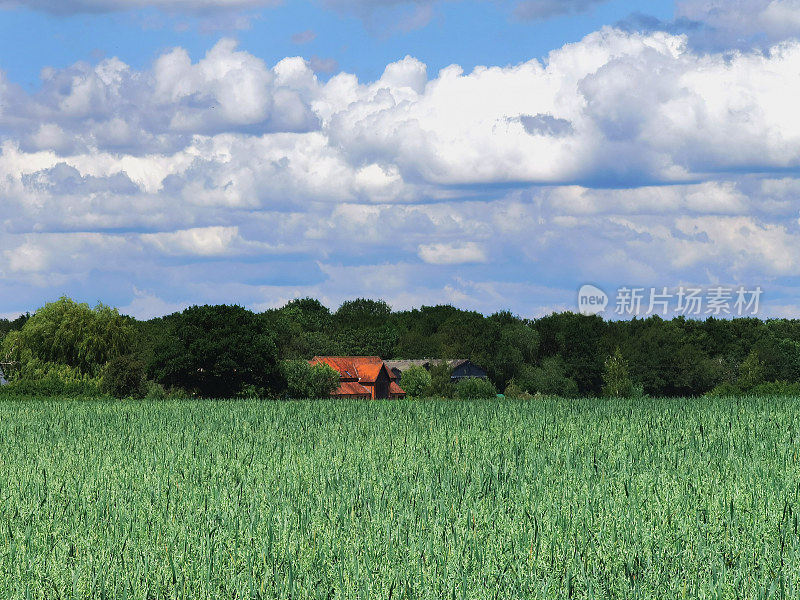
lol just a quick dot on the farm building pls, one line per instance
(362, 377)
(463, 368)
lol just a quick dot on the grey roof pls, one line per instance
(402, 365)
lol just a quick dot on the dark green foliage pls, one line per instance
(308, 381)
(124, 377)
(9, 325)
(362, 313)
(514, 344)
(726, 389)
(416, 381)
(216, 352)
(363, 329)
(473, 388)
(232, 351)
(302, 329)
(582, 344)
(777, 388)
(668, 358)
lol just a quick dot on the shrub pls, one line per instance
(48, 379)
(416, 381)
(154, 391)
(308, 381)
(441, 384)
(515, 392)
(725, 389)
(124, 377)
(250, 392)
(474, 388)
(776, 388)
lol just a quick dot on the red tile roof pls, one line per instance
(355, 368)
(353, 389)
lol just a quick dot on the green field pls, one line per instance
(332, 499)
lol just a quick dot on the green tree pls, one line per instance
(124, 377)
(302, 329)
(442, 385)
(363, 328)
(580, 342)
(217, 352)
(616, 380)
(515, 345)
(51, 379)
(70, 334)
(751, 372)
(362, 313)
(550, 379)
(304, 380)
(416, 381)
(7, 325)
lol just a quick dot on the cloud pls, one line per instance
(26, 258)
(624, 158)
(535, 10)
(452, 254)
(545, 125)
(614, 110)
(146, 305)
(323, 65)
(202, 241)
(725, 25)
(388, 16)
(304, 37)
(109, 106)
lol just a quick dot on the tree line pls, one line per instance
(68, 348)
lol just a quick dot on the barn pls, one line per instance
(462, 368)
(362, 377)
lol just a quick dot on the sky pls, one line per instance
(493, 155)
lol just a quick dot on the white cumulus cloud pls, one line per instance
(624, 157)
(452, 254)
(742, 23)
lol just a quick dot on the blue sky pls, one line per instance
(493, 155)
(468, 33)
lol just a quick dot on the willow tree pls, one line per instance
(66, 333)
